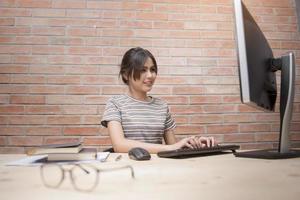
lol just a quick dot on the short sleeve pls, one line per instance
(169, 123)
(111, 113)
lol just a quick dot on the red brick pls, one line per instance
(256, 146)
(4, 78)
(4, 119)
(2, 141)
(25, 99)
(295, 126)
(233, 118)
(188, 90)
(255, 127)
(103, 5)
(98, 141)
(102, 80)
(81, 131)
(82, 90)
(4, 99)
(29, 59)
(25, 141)
(101, 41)
(224, 109)
(113, 90)
(91, 119)
(57, 59)
(81, 70)
(25, 79)
(222, 129)
(137, 6)
(79, 110)
(48, 12)
(47, 50)
(239, 138)
(48, 31)
(34, 3)
(189, 129)
(27, 120)
(96, 99)
(81, 32)
(43, 131)
(11, 12)
(6, 109)
(46, 89)
(13, 89)
(231, 99)
(63, 120)
(267, 137)
(175, 99)
(69, 4)
(7, 22)
(206, 119)
(65, 99)
(101, 60)
(9, 49)
(179, 119)
(183, 109)
(14, 30)
(11, 130)
(65, 80)
(84, 50)
(59, 140)
(40, 69)
(43, 110)
(136, 24)
(295, 136)
(205, 99)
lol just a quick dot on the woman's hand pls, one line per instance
(195, 142)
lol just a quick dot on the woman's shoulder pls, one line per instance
(117, 99)
(159, 101)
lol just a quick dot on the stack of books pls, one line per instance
(65, 152)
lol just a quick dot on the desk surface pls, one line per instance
(212, 177)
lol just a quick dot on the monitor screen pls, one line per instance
(257, 69)
(257, 79)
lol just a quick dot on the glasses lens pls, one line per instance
(52, 175)
(84, 177)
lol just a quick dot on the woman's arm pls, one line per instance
(121, 144)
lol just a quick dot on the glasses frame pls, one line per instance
(64, 171)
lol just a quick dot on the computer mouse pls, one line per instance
(138, 153)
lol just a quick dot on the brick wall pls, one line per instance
(59, 64)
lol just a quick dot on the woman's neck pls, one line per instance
(138, 95)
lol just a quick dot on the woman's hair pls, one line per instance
(133, 63)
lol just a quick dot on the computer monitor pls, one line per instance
(257, 68)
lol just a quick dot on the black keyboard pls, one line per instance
(186, 152)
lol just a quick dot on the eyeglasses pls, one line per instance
(84, 177)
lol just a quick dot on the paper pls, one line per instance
(29, 161)
(41, 159)
(102, 156)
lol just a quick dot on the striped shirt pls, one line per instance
(141, 121)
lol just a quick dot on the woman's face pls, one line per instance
(147, 78)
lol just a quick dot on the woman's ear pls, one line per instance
(125, 78)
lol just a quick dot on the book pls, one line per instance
(73, 147)
(84, 154)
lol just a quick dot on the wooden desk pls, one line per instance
(215, 177)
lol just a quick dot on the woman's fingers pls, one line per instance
(206, 141)
(195, 142)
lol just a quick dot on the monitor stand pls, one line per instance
(287, 92)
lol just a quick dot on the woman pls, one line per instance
(138, 120)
